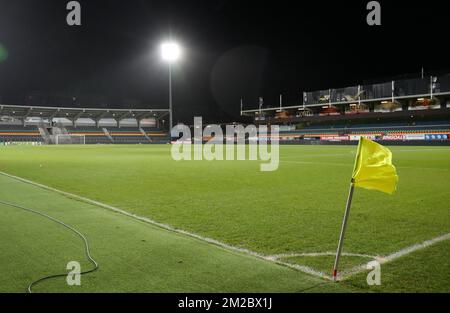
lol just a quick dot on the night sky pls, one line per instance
(231, 49)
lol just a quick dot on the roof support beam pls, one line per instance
(123, 116)
(102, 115)
(76, 117)
(26, 116)
(163, 115)
(98, 118)
(51, 117)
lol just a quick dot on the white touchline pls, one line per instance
(271, 258)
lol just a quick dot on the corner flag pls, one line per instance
(373, 170)
(373, 167)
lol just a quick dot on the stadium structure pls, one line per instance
(23, 124)
(407, 111)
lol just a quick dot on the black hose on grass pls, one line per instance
(86, 244)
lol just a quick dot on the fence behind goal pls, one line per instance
(70, 139)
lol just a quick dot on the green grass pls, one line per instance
(134, 256)
(296, 209)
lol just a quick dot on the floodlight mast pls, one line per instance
(170, 52)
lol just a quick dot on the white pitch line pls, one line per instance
(352, 154)
(420, 150)
(348, 165)
(317, 163)
(413, 248)
(276, 258)
(315, 254)
(301, 268)
(362, 267)
(270, 258)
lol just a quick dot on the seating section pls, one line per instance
(92, 135)
(428, 127)
(120, 135)
(19, 133)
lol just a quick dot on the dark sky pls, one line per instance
(231, 49)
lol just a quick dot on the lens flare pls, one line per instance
(3, 53)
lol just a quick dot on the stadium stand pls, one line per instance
(415, 110)
(422, 132)
(20, 124)
(93, 135)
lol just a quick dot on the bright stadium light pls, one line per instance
(170, 51)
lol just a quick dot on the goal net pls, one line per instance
(70, 139)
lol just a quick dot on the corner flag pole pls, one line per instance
(369, 172)
(346, 214)
(344, 226)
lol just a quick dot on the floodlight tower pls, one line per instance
(170, 52)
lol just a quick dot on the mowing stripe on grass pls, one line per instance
(270, 258)
(302, 268)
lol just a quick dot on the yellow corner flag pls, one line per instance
(373, 170)
(373, 167)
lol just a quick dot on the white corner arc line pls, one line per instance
(315, 254)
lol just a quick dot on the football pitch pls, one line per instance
(221, 226)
